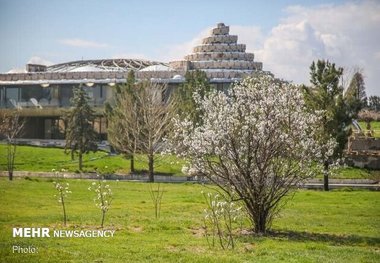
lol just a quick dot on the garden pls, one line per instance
(256, 143)
(315, 226)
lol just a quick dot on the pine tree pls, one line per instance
(355, 95)
(374, 103)
(326, 95)
(80, 135)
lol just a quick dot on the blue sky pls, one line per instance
(59, 31)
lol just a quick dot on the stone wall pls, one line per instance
(364, 153)
(365, 144)
(105, 77)
(363, 160)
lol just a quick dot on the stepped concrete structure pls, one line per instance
(42, 93)
(220, 53)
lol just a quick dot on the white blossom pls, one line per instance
(257, 135)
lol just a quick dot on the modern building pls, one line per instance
(42, 93)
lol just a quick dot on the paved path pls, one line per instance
(311, 184)
(375, 187)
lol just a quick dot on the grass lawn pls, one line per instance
(40, 159)
(315, 226)
(375, 126)
(355, 173)
(45, 159)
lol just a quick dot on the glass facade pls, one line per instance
(47, 124)
(52, 96)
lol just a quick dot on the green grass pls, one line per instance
(375, 126)
(40, 159)
(355, 173)
(314, 226)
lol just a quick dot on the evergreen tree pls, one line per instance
(326, 95)
(374, 103)
(80, 135)
(196, 81)
(355, 95)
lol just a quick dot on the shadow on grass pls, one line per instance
(328, 238)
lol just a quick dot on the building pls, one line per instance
(43, 93)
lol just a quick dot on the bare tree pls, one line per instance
(155, 113)
(123, 128)
(140, 119)
(11, 126)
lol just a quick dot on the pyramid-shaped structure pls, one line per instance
(219, 52)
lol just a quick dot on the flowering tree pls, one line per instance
(103, 197)
(255, 140)
(220, 217)
(63, 192)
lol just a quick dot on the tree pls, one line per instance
(374, 103)
(256, 143)
(11, 127)
(326, 96)
(103, 197)
(140, 120)
(355, 95)
(196, 81)
(80, 135)
(121, 113)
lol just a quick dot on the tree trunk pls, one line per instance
(326, 177)
(151, 167)
(258, 218)
(260, 224)
(80, 160)
(132, 163)
(11, 153)
(103, 216)
(369, 125)
(64, 210)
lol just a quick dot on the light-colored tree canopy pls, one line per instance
(256, 141)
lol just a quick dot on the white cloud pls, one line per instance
(251, 34)
(76, 42)
(377, 55)
(32, 60)
(345, 34)
(39, 61)
(248, 34)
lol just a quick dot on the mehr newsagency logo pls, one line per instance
(43, 232)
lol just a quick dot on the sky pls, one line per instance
(285, 35)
